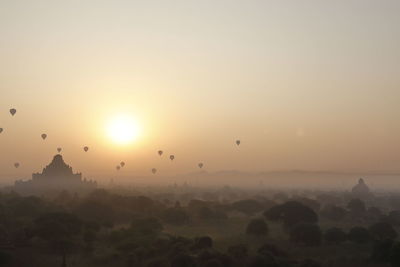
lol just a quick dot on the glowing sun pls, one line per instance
(123, 129)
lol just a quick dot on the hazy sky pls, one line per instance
(304, 84)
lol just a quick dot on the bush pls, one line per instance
(257, 227)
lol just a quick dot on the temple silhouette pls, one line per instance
(57, 176)
(361, 190)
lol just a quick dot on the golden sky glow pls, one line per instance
(304, 84)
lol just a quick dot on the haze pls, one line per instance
(309, 85)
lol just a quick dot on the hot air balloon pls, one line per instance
(44, 136)
(122, 164)
(172, 157)
(86, 149)
(201, 165)
(154, 170)
(237, 142)
(1, 130)
(13, 111)
(160, 152)
(59, 149)
(16, 164)
(118, 168)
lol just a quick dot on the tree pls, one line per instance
(334, 213)
(306, 233)
(257, 227)
(247, 206)
(359, 235)
(95, 211)
(60, 230)
(356, 207)
(394, 256)
(381, 250)
(203, 242)
(176, 216)
(335, 235)
(291, 213)
(382, 230)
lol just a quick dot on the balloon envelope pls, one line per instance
(237, 142)
(13, 111)
(118, 168)
(1, 130)
(16, 164)
(122, 164)
(160, 152)
(172, 157)
(44, 136)
(201, 165)
(59, 149)
(86, 149)
(154, 170)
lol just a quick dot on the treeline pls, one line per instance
(108, 229)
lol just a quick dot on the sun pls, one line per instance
(123, 129)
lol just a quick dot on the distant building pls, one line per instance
(361, 190)
(57, 176)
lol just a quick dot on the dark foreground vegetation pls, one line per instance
(187, 227)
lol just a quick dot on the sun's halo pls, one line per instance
(123, 129)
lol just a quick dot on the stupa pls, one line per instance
(57, 176)
(361, 189)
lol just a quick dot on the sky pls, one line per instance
(309, 85)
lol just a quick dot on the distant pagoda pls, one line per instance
(57, 176)
(361, 189)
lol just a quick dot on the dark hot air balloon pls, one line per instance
(118, 168)
(13, 111)
(122, 164)
(44, 136)
(59, 149)
(16, 164)
(172, 157)
(86, 149)
(237, 142)
(160, 152)
(201, 165)
(1, 130)
(154, 170)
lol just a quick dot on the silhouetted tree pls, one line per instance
(334, 213)
(394, 257)
(359, 234)
(306, 233)
(257, 227)
(291, 213)
(382, 230)
(177, 216)
(356, 207)
(248, 206)
(203, 242)
(335, 235)
(270, 249)
(381, 250)
(60, 231)
(263, 261)
(238, 252)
